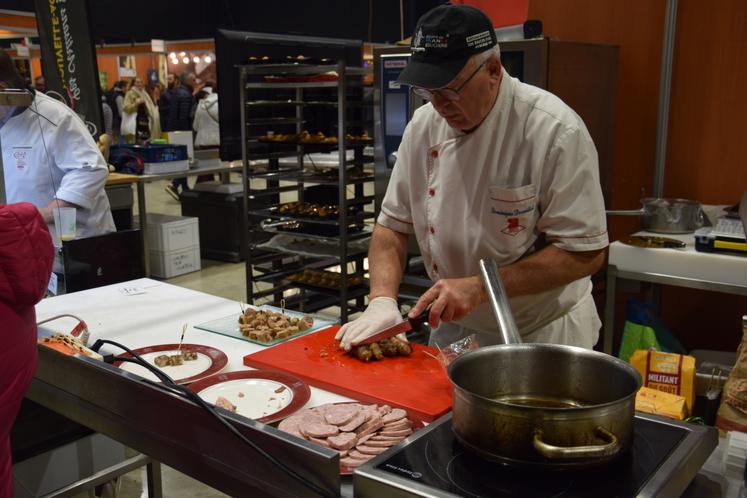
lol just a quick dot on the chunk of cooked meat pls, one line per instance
(225, 404)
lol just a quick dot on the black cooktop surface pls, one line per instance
(437, 460)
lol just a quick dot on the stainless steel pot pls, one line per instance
(663, 215)
(541, 405)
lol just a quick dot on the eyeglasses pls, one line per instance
(451, 94)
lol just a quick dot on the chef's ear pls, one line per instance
(493, 66)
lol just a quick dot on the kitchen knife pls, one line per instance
(409, 324)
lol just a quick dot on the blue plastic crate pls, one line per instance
(151, 153)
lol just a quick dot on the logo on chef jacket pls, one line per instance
(513, 227)
(20, 157)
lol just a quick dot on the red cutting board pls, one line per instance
(416, 383)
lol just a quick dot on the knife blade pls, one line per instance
(409, 324)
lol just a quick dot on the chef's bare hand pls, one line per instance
(382, 312)
(451, 299)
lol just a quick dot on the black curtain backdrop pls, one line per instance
(142, 20)
(69, 60)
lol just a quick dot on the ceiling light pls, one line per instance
(208, 59)
(182, 54)
(172, 55)
(185, 60)
(195, 59)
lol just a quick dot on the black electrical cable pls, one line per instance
(195, 398)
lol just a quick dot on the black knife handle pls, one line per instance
(418, 321)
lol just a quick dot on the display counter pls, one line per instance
(155, 421)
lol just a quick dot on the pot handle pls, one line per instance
(625, 212)
(570, 452)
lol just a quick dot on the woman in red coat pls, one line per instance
(26, 256)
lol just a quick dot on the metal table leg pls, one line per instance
(608, 329)
(143, 224)
(106, 475)
(153, 472)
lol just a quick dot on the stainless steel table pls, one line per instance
(678, 267)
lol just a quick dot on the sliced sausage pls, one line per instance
(402, 433)
(349, 461)
(382, 444)
(343, 441)
(340, 415)
(373, 425)
(394, 415)
(384, 409)
(357, 420)
(319, 441)
(397, 426)
(369, 450)
(315, 429)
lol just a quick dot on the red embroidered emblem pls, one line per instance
(513, 227)
(20, 157)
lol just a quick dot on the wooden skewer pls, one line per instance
(184, 330)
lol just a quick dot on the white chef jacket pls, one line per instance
(528, 172)
(71, 165)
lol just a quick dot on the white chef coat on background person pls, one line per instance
(47, 149)
(529, 171)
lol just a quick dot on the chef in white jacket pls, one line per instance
(490, 168)
(50, 159)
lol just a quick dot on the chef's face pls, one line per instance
(476, 96)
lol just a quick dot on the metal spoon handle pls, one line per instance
(499, 301)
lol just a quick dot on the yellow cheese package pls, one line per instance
(660, 403)
(668, 372)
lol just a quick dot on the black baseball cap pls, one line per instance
(445, 38)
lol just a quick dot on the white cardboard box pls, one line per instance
(173, 263)
(167, 233)
(182, 138)
(165, 167)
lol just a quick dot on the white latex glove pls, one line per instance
(382, 312)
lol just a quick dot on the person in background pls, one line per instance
(205, 123)
(164, 103)
(40, 84)
(115, 99)
(108, 115)
(489, 168)
(51, 160)
(26, 256)
(155, 95)
(148, 121)
(180, 112)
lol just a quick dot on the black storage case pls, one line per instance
(220, 222)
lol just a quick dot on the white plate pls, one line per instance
(253, 398)
(187, 369)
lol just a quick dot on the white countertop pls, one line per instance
(685, 263)
(155, 316)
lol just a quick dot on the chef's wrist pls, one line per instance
(481, 289)
(381, 297)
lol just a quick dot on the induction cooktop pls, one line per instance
(665, 456)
